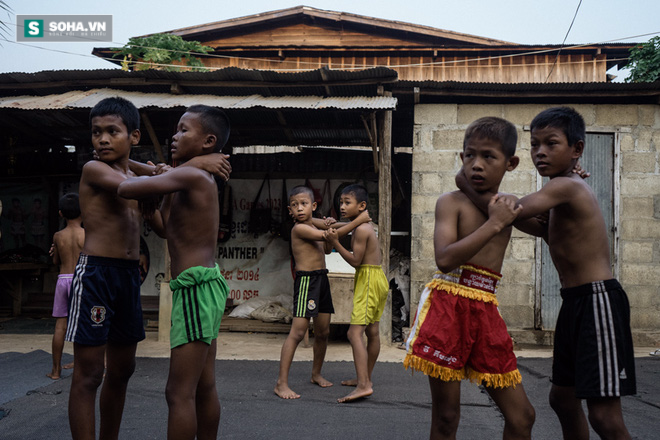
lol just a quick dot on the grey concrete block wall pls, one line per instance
(438, 141)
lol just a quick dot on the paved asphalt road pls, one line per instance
(35, 408)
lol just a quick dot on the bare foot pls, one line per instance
(68, 366)
(321, 381)
(285, 392)
(358, 393)
(349, 383)
(53, 375)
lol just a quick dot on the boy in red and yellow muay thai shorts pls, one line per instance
(459, 333)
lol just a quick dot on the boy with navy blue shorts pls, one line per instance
(105, 315)
(593, 355)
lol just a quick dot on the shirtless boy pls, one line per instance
(458, 332)
(65, 250)
(105, 314)
(370, 291)
(593, 352)
(190, 217)
(311, 297)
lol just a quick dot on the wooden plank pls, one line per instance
(385, 211)
(302, 35)
(252, 325)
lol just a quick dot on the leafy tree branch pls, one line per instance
(141, 53)
(645, 62)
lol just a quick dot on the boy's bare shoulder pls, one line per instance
(192, 175)
(299, 228)
(97, 166)
(100, 175)
(365, 228)
(452, 199)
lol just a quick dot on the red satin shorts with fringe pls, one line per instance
(459, 333)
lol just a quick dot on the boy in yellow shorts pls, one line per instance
(370, 291)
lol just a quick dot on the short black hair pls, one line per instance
(69, 205)
(301, 189)
(496, 129)
(358, 191)
(566, 119)
(214, 121)
(118, 106)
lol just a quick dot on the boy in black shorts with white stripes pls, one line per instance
(593, 351)
(312, 297)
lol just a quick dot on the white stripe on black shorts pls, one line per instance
(593, 348)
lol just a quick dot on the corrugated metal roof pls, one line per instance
(228, 81)
(89, 98)
(226, 74)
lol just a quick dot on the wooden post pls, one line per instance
(152, 135)
(385, 212)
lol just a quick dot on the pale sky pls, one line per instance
(518, 21)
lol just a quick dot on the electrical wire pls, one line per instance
(563, 42)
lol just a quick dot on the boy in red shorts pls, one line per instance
(458, 332)
(593, 356)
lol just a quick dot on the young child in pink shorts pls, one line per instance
(67, 245)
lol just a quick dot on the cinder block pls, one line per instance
(627, 142)
(644, 141)
(638, 185)
(647, 114)
(655, 140)
(518, 316)
(423, 204)
(450, 140)
(522, 114)
(519, 183)
(637, 207)
(639, 229)
(522, 248)
(430, 183)
(468, 113)
(639, 162)
(436, 114)
(423, 140)
(587, 111)
(515, 294)
(518, 270)
(641, 274)
(637, 251)
(436, 161)
(616, 115)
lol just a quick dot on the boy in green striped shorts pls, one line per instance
(189, 218)
(311, 298)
